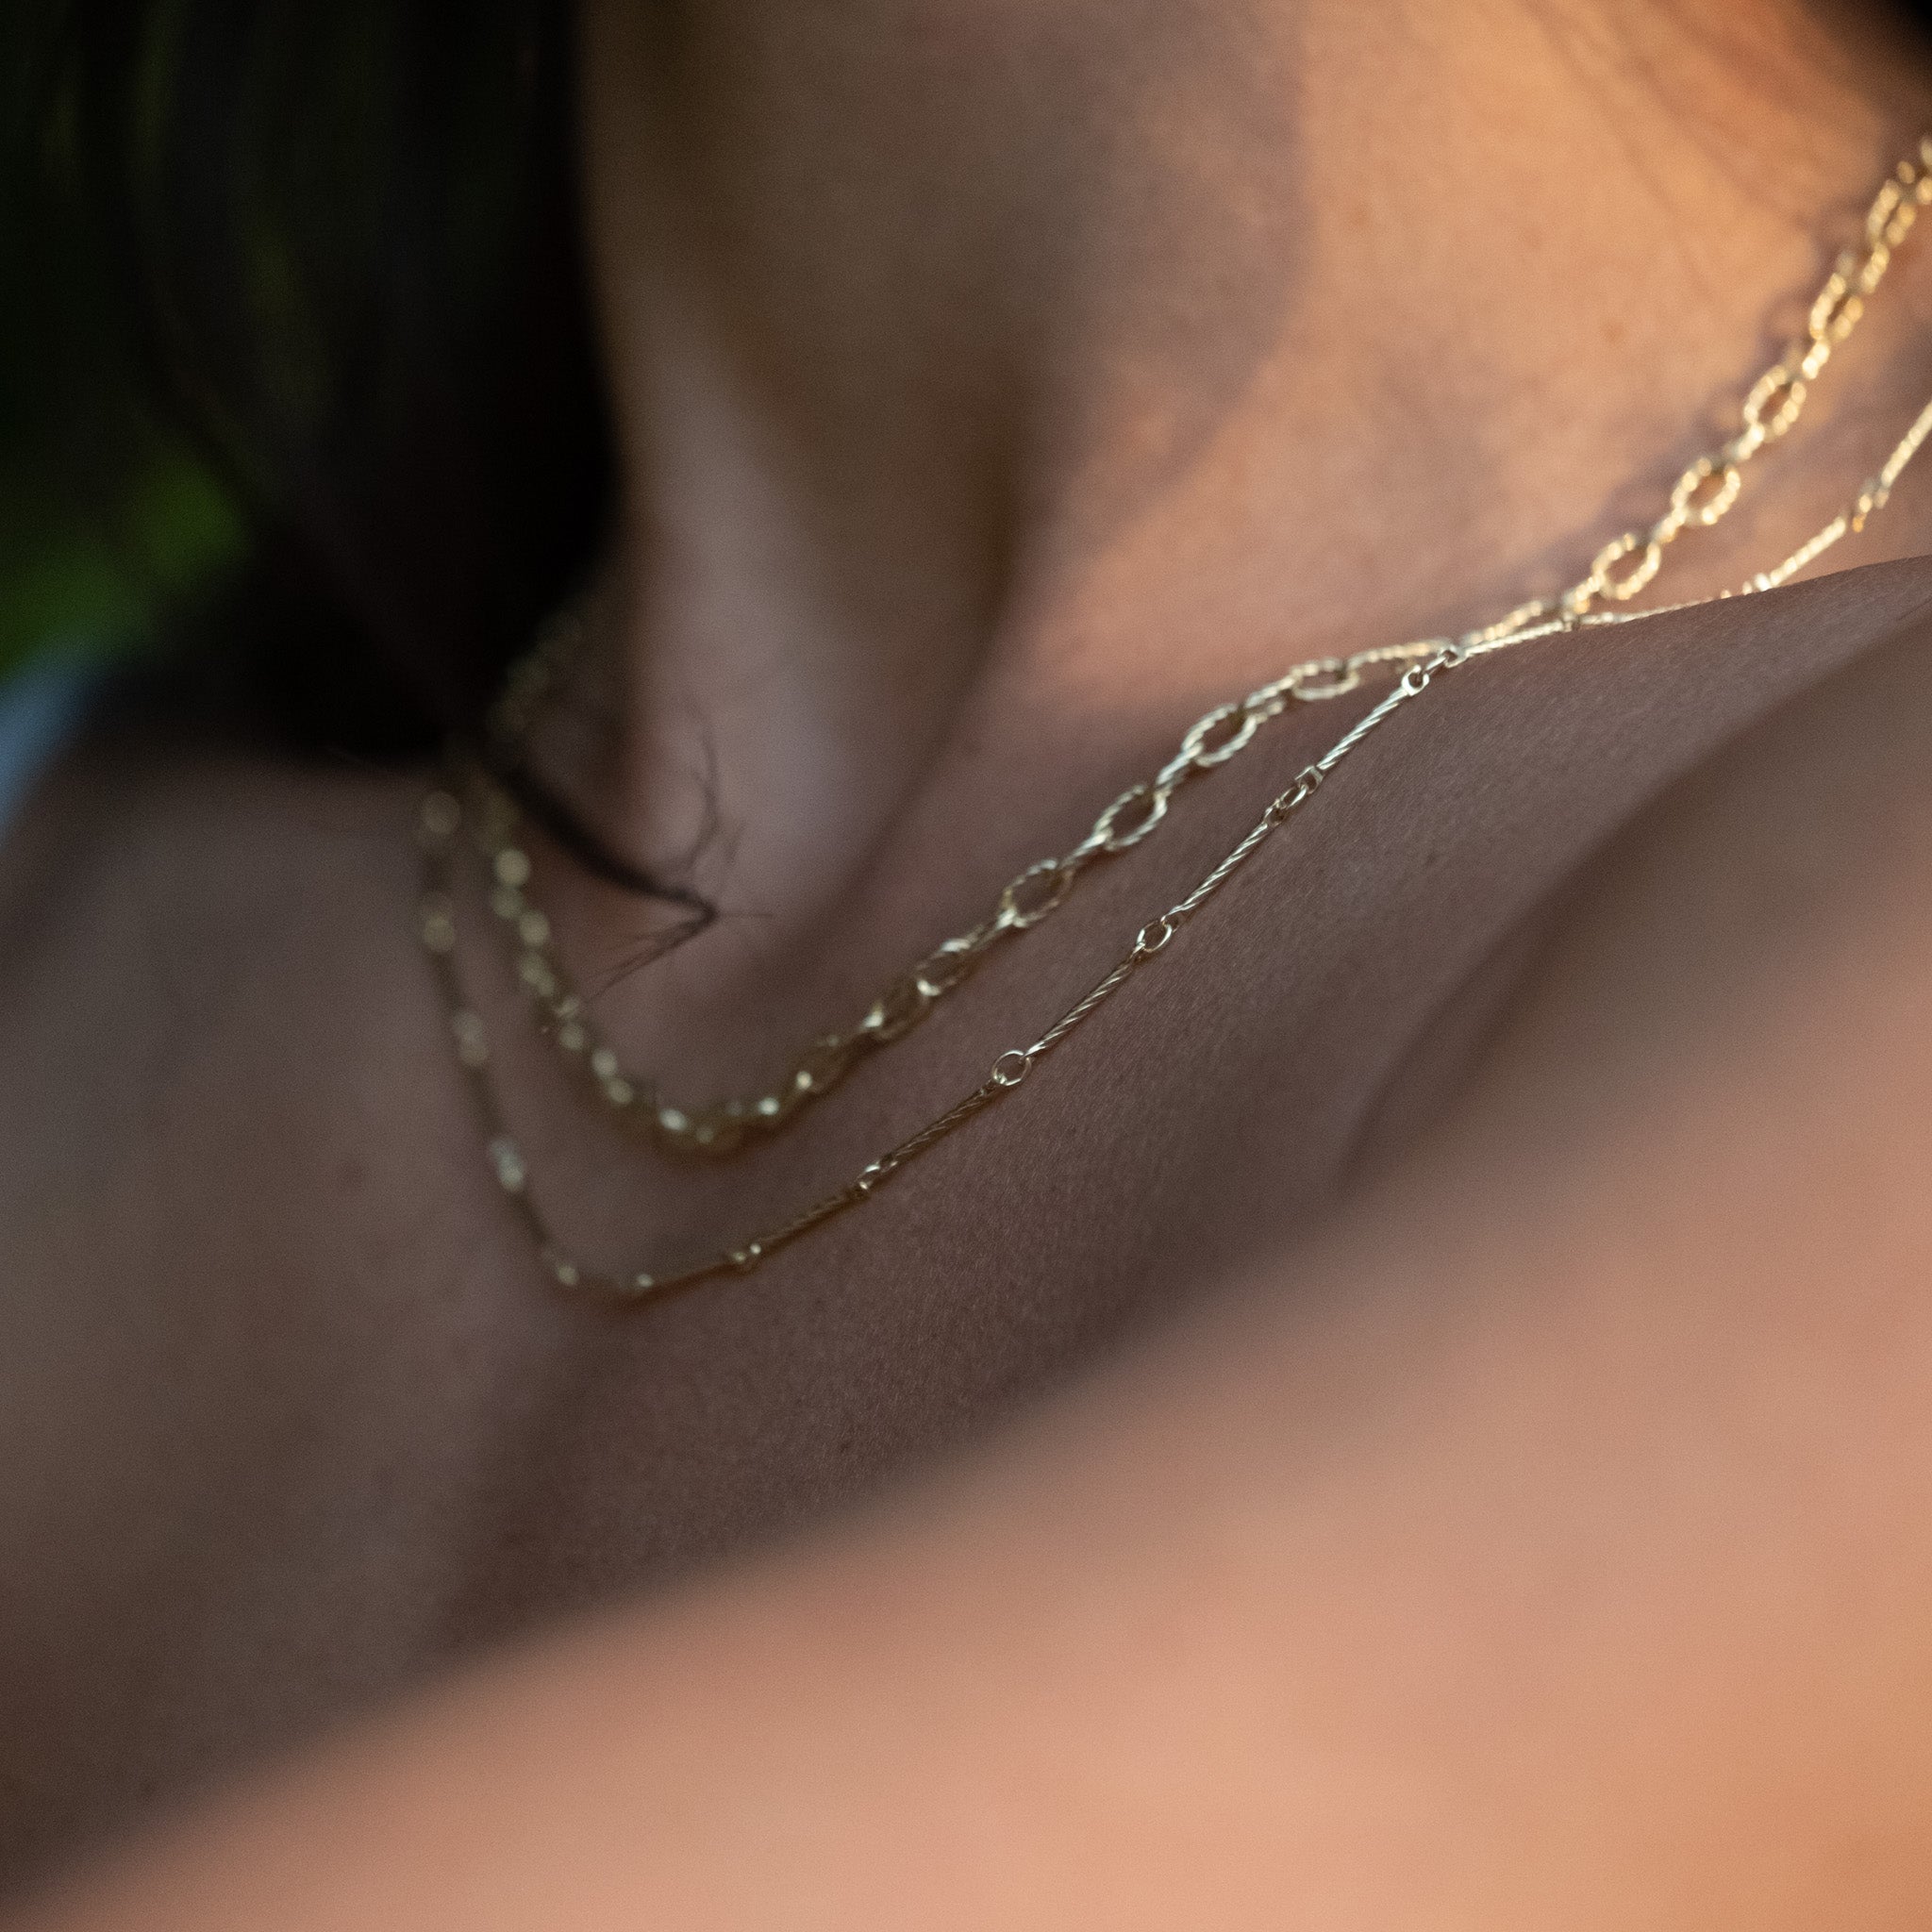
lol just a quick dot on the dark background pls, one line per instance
(108, 516)
(294, 359)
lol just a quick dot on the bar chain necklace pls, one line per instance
(1621, 570)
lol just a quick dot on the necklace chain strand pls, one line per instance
(443, 815)
(1703, 495)
(442, 820)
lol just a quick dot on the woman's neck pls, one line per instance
(980, 358)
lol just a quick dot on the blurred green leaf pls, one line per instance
(107, 519)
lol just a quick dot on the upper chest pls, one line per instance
(290, 1407)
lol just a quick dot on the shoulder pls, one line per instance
(1448, 867)
(1716, 1023)
(1792, 860)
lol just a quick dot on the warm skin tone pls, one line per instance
(1521, 1522)
(1011, 381)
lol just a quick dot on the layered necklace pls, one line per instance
(472, 817)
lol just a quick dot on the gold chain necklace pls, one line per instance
(1702, 495)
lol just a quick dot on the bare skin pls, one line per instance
(1483, 1126)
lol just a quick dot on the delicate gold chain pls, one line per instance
(1700, 497)
(1022, 905)
(442, 821)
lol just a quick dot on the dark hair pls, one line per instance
(344, 235)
